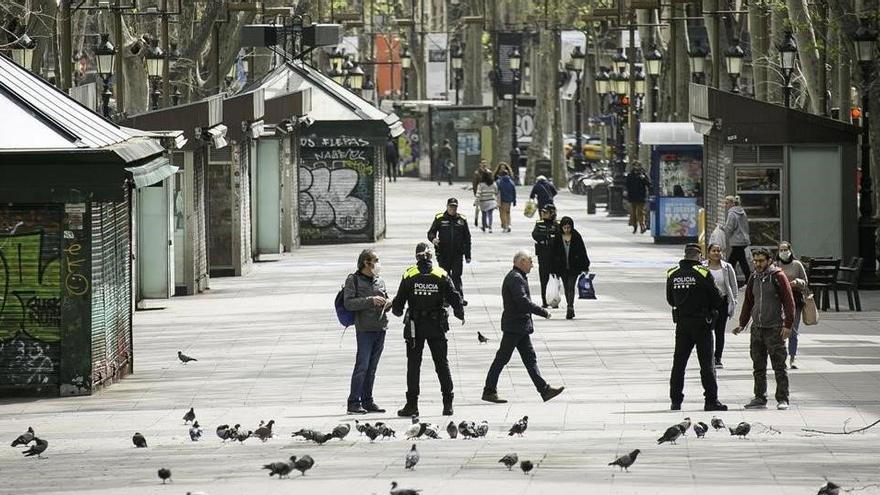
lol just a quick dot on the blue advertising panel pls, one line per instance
(677, 178)
(676, 217)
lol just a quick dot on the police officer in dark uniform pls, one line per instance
(426, 290)
(545, 231)
(450, 234)
(693, 296)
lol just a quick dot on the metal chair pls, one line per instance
(822, 277)
(848, 280)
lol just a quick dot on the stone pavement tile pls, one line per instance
(269, 346)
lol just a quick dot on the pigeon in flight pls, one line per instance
(519, 427)
(741, 429)
(717, 423)
(190, 416)
(25, 438)
(412, 457)
(684, 426)
(282, 469)
(302, 464)
(139, 441)
(626, 460)
(37, 448)
(451, 430)
(700, 429)
(184, 358)
(509, 460)
(671, 435)
(164, 474)
(195, 432)
(264, 432)
(526, 466)
(341, 431)
(829, 488)
(402, 491)
(482, 338)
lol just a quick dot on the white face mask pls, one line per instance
(785, 255)
(377, 269)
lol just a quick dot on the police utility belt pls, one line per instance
(705, 316)
(428, 314)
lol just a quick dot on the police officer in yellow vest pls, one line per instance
(693, 296)
(426, 290)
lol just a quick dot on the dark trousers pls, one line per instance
(764, 342)
(369, 350)
(569, 283)
(392, 170)
(523, 344)
(454, 268)
(719, 323)
(689, 333)
(414, 349)
(738, 257)
(544, 275)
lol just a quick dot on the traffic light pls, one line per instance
(855, 114)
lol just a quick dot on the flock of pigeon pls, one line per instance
(673, 432)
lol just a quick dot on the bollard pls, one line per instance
(591, 202)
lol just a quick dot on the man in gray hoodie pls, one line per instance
(736, 228)
(769, 304)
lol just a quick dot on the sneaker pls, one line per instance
(545, 306)
(551, 392)
(756, 403)
(373, 408)
(675, 407)
(569, 314)
(356, 410)
(714, 406)
(718, 365)
(493, 398)
(782, 405)
(792, 365)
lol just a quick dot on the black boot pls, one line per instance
(569, 314)
(411, 408)
(447, 404)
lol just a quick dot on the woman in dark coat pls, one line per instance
(569, 260)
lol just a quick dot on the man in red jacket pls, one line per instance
(769, 303)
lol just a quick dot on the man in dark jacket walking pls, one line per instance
(516, 326)
(450, 234)
(543, 191)
(444, 162)
(545, 232)
(637, 189)
(392, 157)
(769, 304)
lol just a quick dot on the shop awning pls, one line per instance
(151, 172)
(669, 133)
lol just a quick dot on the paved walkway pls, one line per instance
(269, 347)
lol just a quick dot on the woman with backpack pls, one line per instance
(569, 260)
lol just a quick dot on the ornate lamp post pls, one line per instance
(577, 64)
(457, 72)
(733, 58)
(336, 58)
(654, 64)
(356, 77)
(405, 64)
(515, 59)
(368, 89)
(865, 40)
(697, 58)
(105, 53)
(620, 102)
(155, 66)
(603, 86)
(23, 51)
(788, 55)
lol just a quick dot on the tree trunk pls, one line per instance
(545, 107)
(472, 64)
(807, 52)
(680, 83)
(771, 57)
(760, 45)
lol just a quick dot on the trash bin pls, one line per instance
(544, 166)
(591, 201)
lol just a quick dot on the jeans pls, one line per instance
(414, 349)
(719, 324)
(487, 218)
(690, 332)
(504, 213)
(369, 350)
(569, 283)
(768, 341)
(738, 257)
(523, 344)
(454, 268)
(544, 275)
(793, 338)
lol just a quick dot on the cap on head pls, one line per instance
(424, 251)
(452, 202)
(549, 208)
(540, 178)
(692, 250)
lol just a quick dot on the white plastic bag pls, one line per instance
(554, 291)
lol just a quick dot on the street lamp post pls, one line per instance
(405, 64)
(105, 53)
(788, 55)
(603, 87)
(697, 58)
(23, 51)
(457, 71)
(577, 64)
(620, 102)
(515, 59)
(368, 89)
(653, 64)
(155, 66)
(865, 40)
(356, 77)
(733, 57)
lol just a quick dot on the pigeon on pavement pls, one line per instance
(482, 429)
(412, 457)
(626, 460)
(829, 488)
(264, 432)
(223, 432)
(184, 358)
(741, 429)
(416, 430)
(164, 474)
(451, 430)
(717, 423)
(526, 466)
(372, 432)
(302, 464)
(282, 469)
(341, 431)
(243, 435)
(402, 491)
(671, 435)
(386, 431)
(519, 427)
(190, 416)
(481, 338)
(139, 441)
(509, 460)
(359, 426)
(684, 426)
(432, 431)
(25, 438)
(195, 432)
(37, 448)
(700, 429)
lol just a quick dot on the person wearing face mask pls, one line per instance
(724, 277)
(797, 276)
(364, 294)
(569, 260)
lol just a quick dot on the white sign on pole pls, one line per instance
(435, 55)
